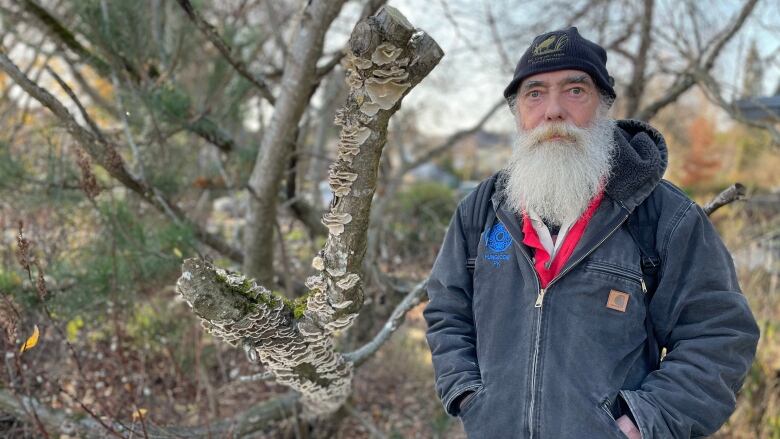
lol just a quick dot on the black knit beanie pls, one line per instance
(561, 50)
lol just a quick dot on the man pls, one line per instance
(557, 332)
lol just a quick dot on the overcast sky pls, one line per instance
(471, 76)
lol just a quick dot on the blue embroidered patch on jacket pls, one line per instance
(498, 240)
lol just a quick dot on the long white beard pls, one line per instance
(558, 178)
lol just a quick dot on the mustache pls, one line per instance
(554, 131)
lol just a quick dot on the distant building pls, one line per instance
(760, 108)
(433, 172)
(482, 153)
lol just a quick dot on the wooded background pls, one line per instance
(137, 135)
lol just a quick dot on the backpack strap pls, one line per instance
(642, 225)
(478, 213)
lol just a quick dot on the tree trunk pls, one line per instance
(274, 148)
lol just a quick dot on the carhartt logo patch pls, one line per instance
(618, 300)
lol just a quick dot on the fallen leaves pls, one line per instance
(31, 341)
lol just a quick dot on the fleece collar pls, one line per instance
(639, 162)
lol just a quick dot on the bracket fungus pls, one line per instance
(385, 92)
(318, 263)
(352, 62)
(349, 281)
(335, 222)
(316, 283)
(341, 181)
(369, 108)
(385, 53)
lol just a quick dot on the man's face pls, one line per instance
(562, 153)
(568, 96)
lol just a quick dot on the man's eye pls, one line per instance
(576, 91)
(533, 94)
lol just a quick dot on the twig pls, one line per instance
(733, 193)
(412, 299)
(213, 36)
(137, 159)
(496, 37)
(95, 130)
(686, 80)
(106, 155)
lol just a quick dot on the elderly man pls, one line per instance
(562, 277)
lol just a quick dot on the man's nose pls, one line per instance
(554, 110)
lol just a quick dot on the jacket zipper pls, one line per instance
(538, 304)
(604, 268)
(607, 407)
(536, 345)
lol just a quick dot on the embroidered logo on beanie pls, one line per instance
(551, 47)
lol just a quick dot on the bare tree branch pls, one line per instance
(713, 93)
(211, 34)
(685, 81)
(412, 299)
(105, 154)
(329, 65)
(491, 20)
(210, 131)
(451, 140)
(66, 38)
(733, 193)
(204, 127)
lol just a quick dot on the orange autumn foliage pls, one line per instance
(701, 161)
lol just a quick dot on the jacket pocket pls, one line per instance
(605, 409)
(471, 402)
(608, 269)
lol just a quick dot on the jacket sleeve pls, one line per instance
(700, 315)
(451, 335)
